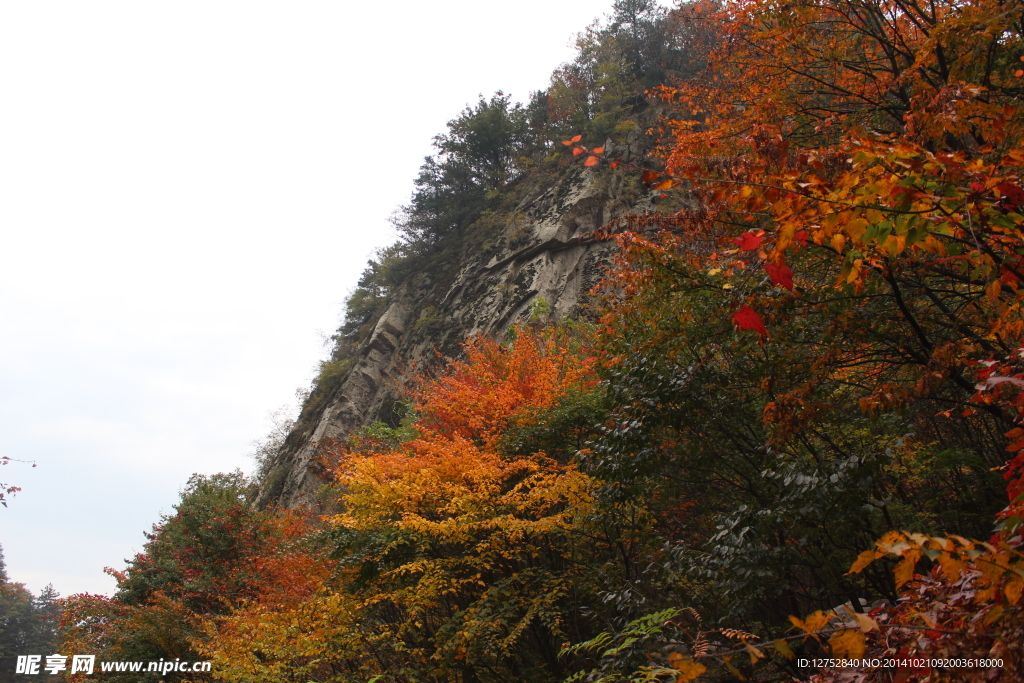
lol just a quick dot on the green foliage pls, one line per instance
(429, 320)
(190, 554)
(602, 90)
(28, 624)
(482, 153)
(332, 373)
(764, 516)
(495, 151)
(380, 436)
(613, 657)
(561, 430)
(761, 414)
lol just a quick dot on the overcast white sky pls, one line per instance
(188, 191)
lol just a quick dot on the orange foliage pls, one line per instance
(434, 530)
(454, 470)
(475, 520)
(495, 386)
(858, 150)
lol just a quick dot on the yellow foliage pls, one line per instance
(848, 644)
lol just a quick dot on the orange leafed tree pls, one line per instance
(455, 548)
(868, 150)
(851, 177)
(215, 556)
(478, 560)
(481, 397)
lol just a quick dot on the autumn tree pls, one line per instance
(8, 489)
(602, 92)
(801, 344)
(459, 545)
(477, 569)
(801, 403)
(214, 553)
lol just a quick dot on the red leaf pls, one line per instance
(577, 138)
(566, 142)
(801, 237)
(748, 241)
(598, 150)
(576, 151)
(590, 161)
(780, 275)
(748, 319)
(648, 176)
(1011, 193)
(664, 185)
(614, 164)
(1018, 73)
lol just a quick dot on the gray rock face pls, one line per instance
(546, 250)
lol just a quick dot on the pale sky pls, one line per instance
(188, 192)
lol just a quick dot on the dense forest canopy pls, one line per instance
(792, 431)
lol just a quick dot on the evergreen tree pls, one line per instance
(481, 152)
(46, 616)
(27, 624)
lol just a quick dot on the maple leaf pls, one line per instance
(848, 644)
(748, 241)
(780, 275)
(1013, 195)
(748, 319)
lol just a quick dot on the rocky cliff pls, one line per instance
(544, 250)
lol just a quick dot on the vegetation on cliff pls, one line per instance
(497, 152)
(801, 401)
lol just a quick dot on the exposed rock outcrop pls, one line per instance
(545, 250)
